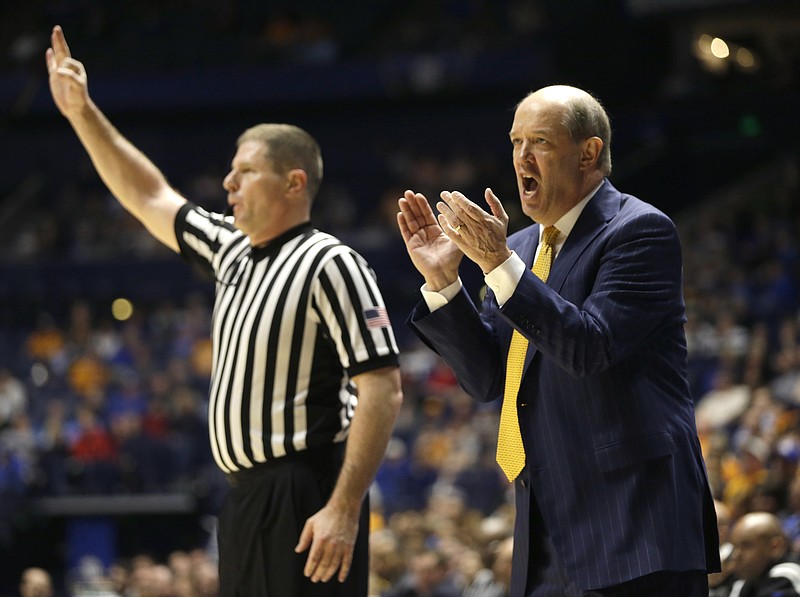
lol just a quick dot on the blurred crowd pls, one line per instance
(181, 574)
(307, 32)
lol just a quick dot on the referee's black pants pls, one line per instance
(261, 521)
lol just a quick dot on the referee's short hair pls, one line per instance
(289, 147)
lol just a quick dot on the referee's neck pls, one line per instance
(286, 234)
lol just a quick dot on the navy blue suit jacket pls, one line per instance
(605, 411)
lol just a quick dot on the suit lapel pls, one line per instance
(527, 250)
(593, 219)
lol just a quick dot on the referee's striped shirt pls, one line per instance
(293, 321)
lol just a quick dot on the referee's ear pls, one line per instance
(296, 182)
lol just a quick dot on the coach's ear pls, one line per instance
(590, 152)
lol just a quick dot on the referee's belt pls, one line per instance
(327, 458)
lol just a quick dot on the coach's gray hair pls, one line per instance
(585, 117)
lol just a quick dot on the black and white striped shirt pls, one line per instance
(293, 321)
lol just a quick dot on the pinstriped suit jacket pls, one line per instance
(613, 458)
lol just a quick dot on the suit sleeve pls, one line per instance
(467, 342)
(625, 293)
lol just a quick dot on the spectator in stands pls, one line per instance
(46, 341)
(479, 580)
(791, 518)
(502, 563)
(13, 397)
(429, 575)
(53, 446)
(13, 483)
(385, 561)
(720, 583)
(760, 558)
(145, 463)
(94, 453)
(35, 582)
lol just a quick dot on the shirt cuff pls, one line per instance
(503, 279)
(438, 299)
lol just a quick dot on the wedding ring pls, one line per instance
(457, 228)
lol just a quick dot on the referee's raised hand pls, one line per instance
(68, 82)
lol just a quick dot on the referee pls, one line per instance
(300, 336)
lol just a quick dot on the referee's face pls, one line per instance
(257, 194)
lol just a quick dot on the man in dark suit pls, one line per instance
(597, 429)
(762, 564)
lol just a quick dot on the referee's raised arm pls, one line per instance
(130, 176)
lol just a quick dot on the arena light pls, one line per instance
(719, 48)
(745, 58)
(703, 44)
(718, 55)
(122, 309)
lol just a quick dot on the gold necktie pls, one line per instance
(510, 451)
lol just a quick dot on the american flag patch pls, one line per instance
(376, 317)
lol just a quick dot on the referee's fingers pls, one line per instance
(324, 557)
(305, 538)
(347, 561)
(330, 549)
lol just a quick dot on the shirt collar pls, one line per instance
(274, 245)
(566, 223)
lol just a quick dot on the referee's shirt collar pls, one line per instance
(273, 246)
